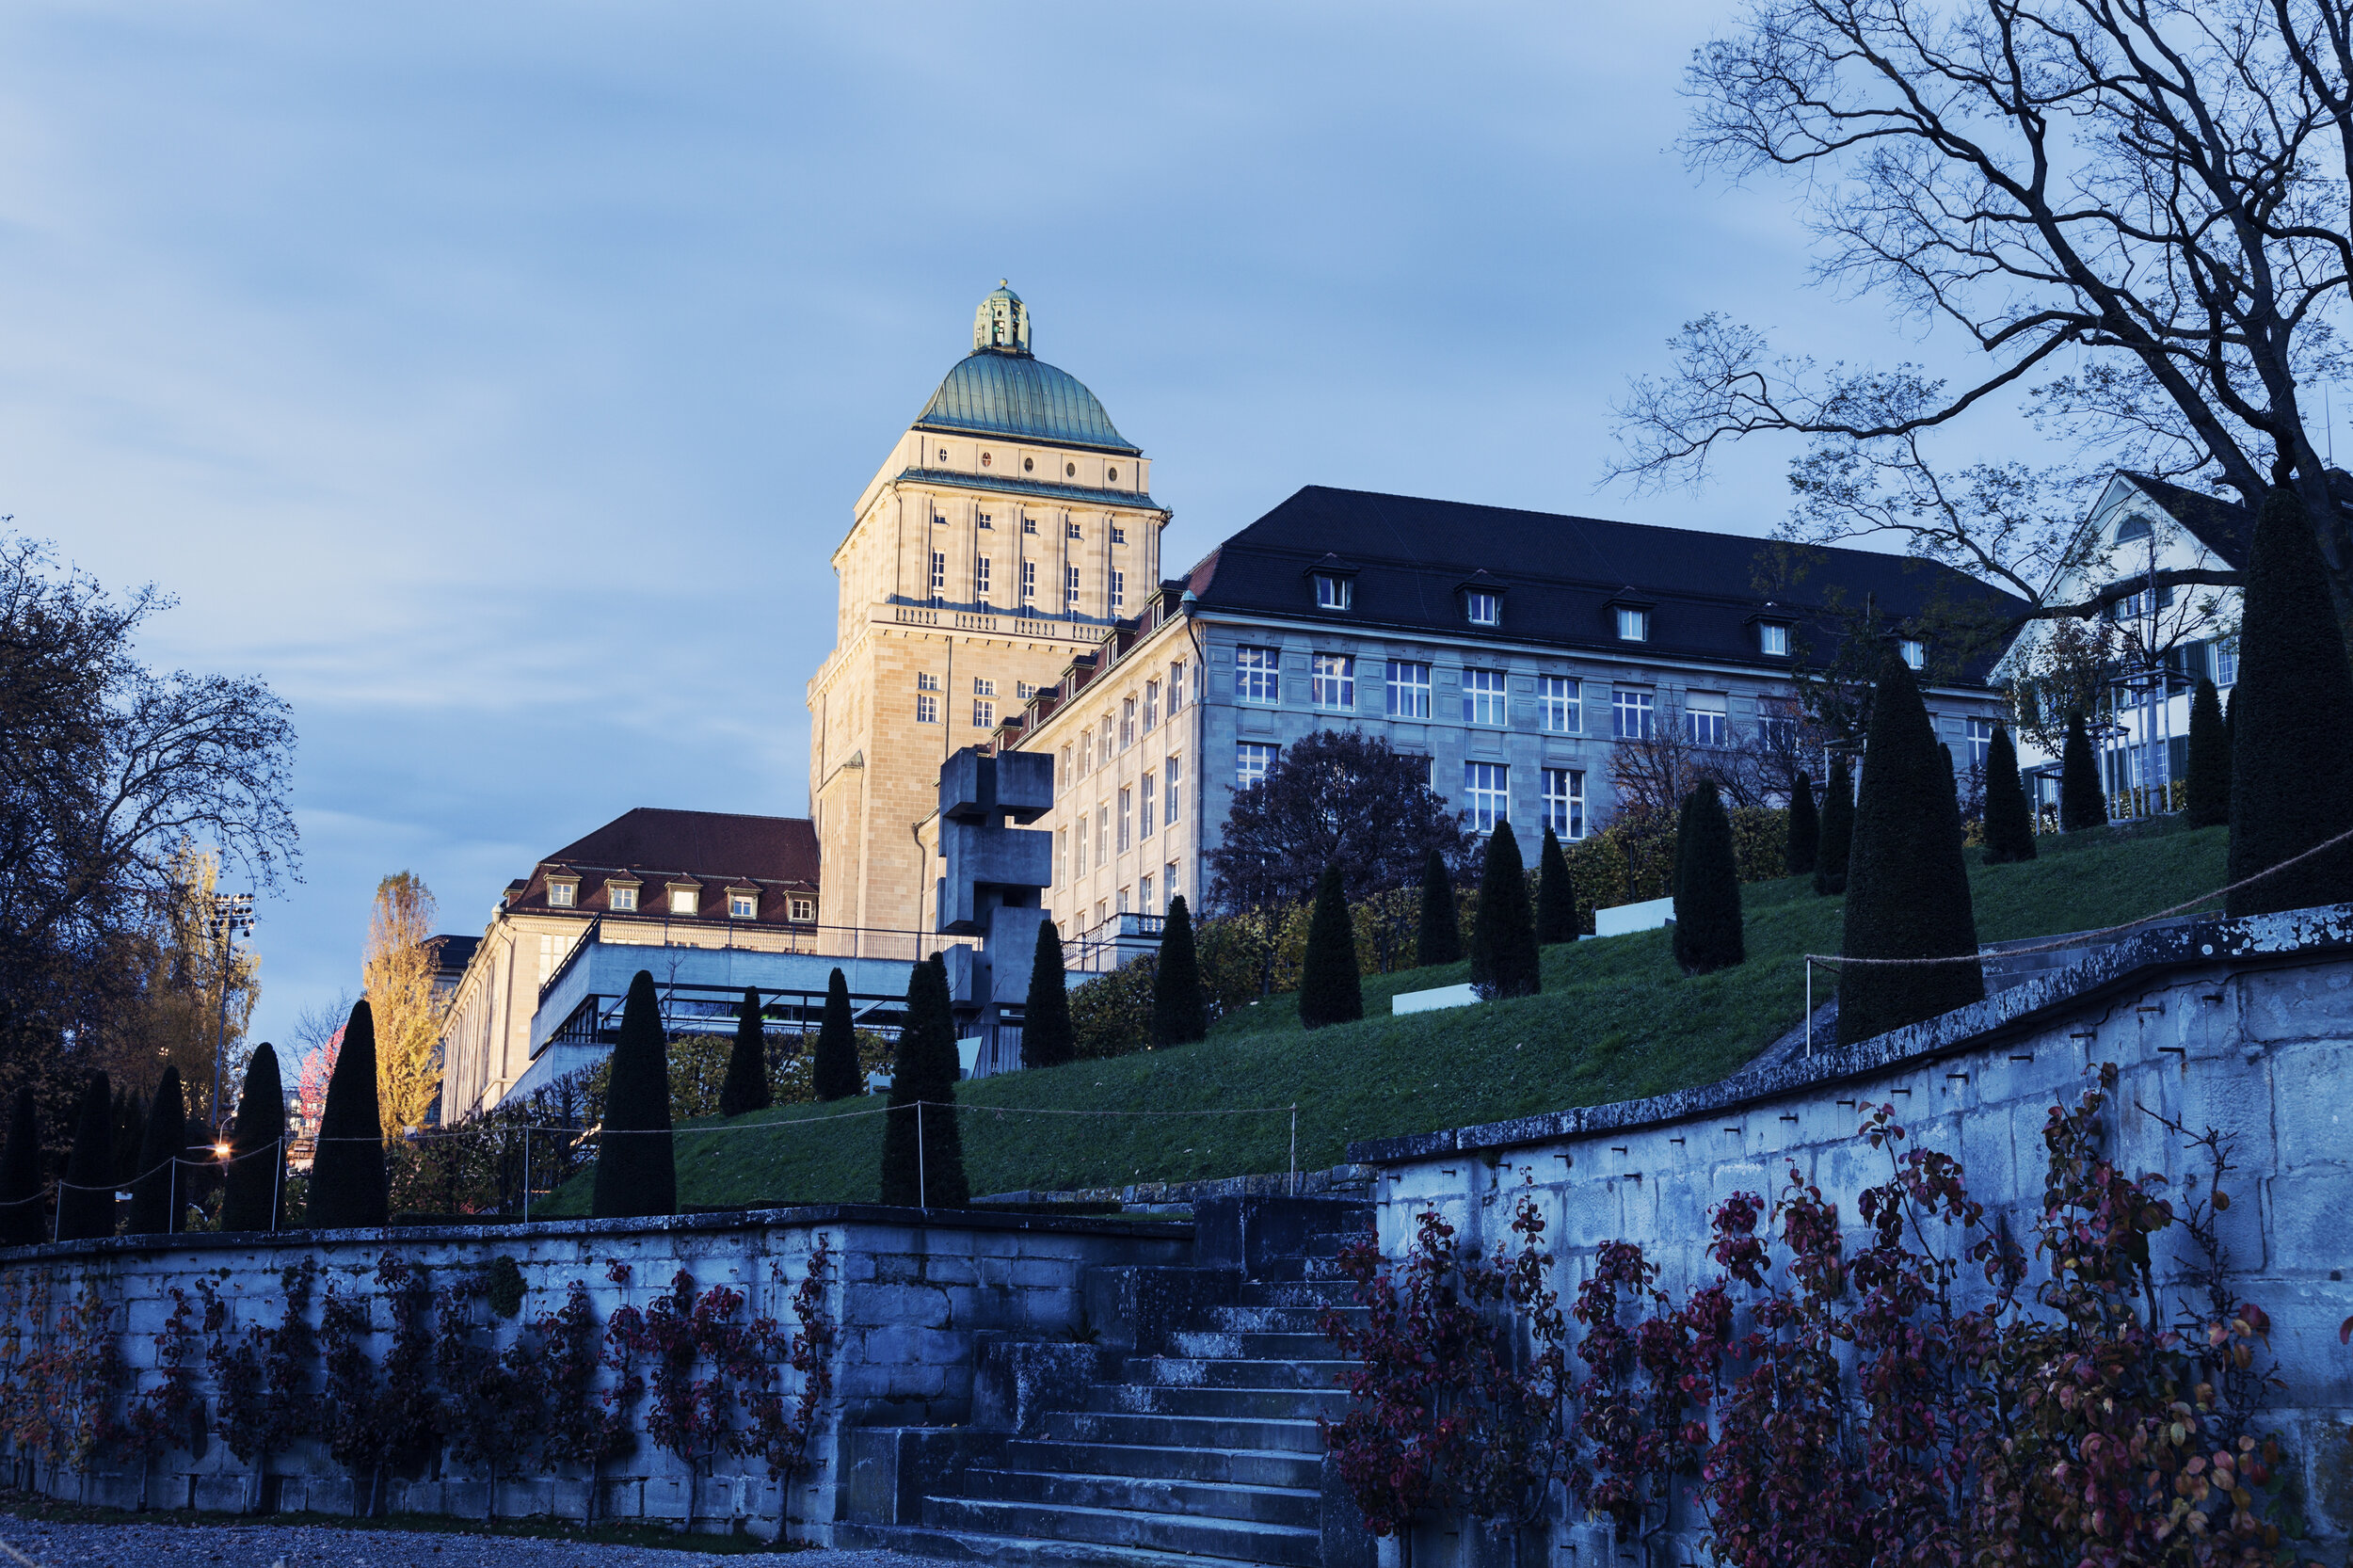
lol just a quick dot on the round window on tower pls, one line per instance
(1070, 470)
(943, 453)
(1112, 475)
(985, 459)
(1028, 464)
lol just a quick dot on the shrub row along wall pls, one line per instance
(695, 1370)
(2242, 1027)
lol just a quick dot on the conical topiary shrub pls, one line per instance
(1330, 989)
(254, 1197)
(636, 1165)
(1805, 829)
(1048, 1037)
(348, 1187)
(1440, 940)
(23, 1221)
(1830, 859)
(2292, 758)
(1557, 919)
(2208, 786)
(833, 1074)
(1707, 892)
(1178, 1016)
(746, 1087)
(155, 1192)
(86, 1200)
(1906, 887)
(2082, 802)
(1503, 956)
(2008, 824)
(922, 1160)
(130, 1119)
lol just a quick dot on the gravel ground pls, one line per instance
(146, 1544)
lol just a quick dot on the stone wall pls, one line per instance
(2243, 1026)
(907, 1293)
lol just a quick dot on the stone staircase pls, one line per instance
(1195, 1437)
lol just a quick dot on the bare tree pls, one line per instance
(1336, 796)
(2143, 204)
(108, 770)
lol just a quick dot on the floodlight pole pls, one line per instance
(231, 913)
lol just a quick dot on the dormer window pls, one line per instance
(685, 898)
(1633, 625)
(743, 904)
(563, 892)
(801, 909)
(1335, 593)
(623, 897)
(1773, 639)
(1483, 608)
(1913, 653)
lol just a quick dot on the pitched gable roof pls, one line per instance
(2222, 525)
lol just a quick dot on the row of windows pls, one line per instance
(1560, 698)
(1155, 800)
(1486, 788)
(1166, 889)
(1484, 607)
(1137, 716)
(683, 901)
(982, 570)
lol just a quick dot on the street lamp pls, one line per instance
(232, 917)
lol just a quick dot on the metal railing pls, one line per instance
(615, 928)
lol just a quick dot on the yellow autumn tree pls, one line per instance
(171, 1009)
(398, 980)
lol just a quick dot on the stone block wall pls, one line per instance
(2246, 1027)
(906, 1295)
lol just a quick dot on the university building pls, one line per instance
(1515, 650)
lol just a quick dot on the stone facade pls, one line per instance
(1004, 531)
(909, 1293)
(2244, 1025)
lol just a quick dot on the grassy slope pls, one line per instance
(1616, 1020)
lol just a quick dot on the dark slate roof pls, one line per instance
(2221, 525)
(452, 953)
(657, 846)
(995, 392)
(1561, 575)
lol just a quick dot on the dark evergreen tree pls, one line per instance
(2082, 802)
(2008, 824)
(348, 1186)
(86, 1200)
(834, 1073)
(23, 1220)
(1557, 918)
(157, 1194)
(1805, 829)
(2209, 781)
(1048, 1039)
(1503, 957)
(2291, 760)
(1441, 937)
(637, 1164)
(130, 1121)
(1178, 1016)
(746, 1084)
(254, 1197)
(922, 1160)
(1829, 860)
(1330, 988)
(1707, 892)
(1907, 886)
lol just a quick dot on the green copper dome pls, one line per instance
(1000, 388)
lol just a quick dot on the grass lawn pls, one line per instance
(1616, 1020)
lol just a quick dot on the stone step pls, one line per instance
(1224, 1466)
(1247, 1404)
(1295, 1507)
(1276, 1320)
(1302, 1293)
(1168, 1371)
(1237, 1540)
(1298, 1268)
(1218, 1345)
(1332, 1243)
(1291, 1435)
(1005, 1551)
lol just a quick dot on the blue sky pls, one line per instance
(496, 380)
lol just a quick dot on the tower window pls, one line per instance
(1028, 464)
(979, 577)
(985, 459)
(926, 708)
(1070, 587)
(984, 686)
(1119, 536)
(940, 574)
(943, 453)
(987, 523)
(1029, 525)
(1119, 591)
(1072, 530)
(1111, 473)
(1070, 470)
(1029, 582)
(983, 713)
(925, 681)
